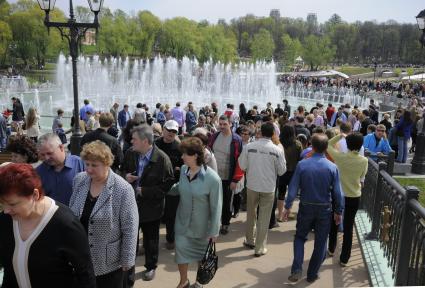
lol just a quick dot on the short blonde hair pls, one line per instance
(97, 151)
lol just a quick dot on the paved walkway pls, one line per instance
(238, 268)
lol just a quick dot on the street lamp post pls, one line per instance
(75, 32)
(418, 162)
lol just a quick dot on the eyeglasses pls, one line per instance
(171, 131)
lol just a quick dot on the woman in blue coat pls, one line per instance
(404, 130)
(199, 210)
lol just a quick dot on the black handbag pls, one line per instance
(208, 265)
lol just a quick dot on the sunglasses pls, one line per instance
(171, 131)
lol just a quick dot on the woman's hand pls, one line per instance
(125, 268)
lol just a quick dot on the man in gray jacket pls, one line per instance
(262, 161)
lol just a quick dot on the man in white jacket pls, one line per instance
(262, 161)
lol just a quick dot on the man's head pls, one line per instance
(86, 102)
(380, 131)
(170, 130)
(139, 105)
(178, 104)
(106, 120)
(345, 128)
(300, 120)
(278, 105)
(224, 124)
(201, 120)
(319, 142)
(126, 107)
(267, 130)
(142, 138)
(51, 150)
(354, 141)
(60, 112)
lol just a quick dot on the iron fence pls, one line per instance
(398, 223)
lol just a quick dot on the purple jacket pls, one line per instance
(178, 115)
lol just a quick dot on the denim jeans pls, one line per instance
(317, 217)
(402, 149)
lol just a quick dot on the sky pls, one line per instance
(403, 11)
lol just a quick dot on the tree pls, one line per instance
(5, 40)
(317, 51)
(145, 33)
(114, 35)
(292, 48)
(180, 37)
(262, 46)
(216, 45)
(83, 14)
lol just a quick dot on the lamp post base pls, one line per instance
(418, 162)
(75, 144)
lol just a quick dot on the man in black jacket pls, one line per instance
(150, 172)
(300, 127)
(169, 144)
(365, 123)
(106, 120)
(18, 110)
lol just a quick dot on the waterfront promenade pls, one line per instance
(238, 268)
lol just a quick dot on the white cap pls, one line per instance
(171, 125)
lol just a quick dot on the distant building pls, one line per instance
(275, 14)
(89, 38)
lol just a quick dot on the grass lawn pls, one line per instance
(353, 70)
(418, 182)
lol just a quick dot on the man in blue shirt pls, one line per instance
(86, 108)
(376, 143)
(123, 117)
(58, 169)
(318, 180)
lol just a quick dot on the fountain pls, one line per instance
(168, 80)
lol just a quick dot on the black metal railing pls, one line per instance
(398, 223)
(388, 159)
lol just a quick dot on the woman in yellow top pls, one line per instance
(352, 170)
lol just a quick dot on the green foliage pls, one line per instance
(353, 70)
(145, 29)
(180, 37)
(262, 46)
(418, 182)
(114, 35)
(397, 71)
(5, 40)
(142, 34)
(216, 45)
(410, 71)
(292, 48)
(317, 51)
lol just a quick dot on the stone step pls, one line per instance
(402, 168)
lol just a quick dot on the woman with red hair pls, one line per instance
(42, 244)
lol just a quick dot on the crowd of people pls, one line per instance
(75, 221)
(396, 88)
